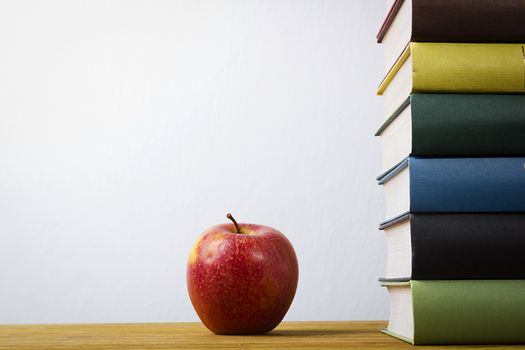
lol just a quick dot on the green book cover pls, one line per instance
(464, 124)
(454, 125)
(463, 311)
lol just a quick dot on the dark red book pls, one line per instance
(463, 21)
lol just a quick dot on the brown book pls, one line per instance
(462, 21)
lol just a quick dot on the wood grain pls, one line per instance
(289, 335)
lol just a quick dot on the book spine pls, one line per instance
(468, 311)
(467, 246)
(467, 184)
(468, 68)
(467, 125)
(468, 21)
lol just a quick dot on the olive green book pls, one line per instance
(457, 312)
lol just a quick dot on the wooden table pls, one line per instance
(289, 335)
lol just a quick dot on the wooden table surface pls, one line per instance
(289, 335)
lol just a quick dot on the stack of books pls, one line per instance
(453, 148)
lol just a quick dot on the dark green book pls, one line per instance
(457, 312)
(452, 125)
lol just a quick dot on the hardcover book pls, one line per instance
(454, 125)
(454, 68)
(457, 312)
(465, 21)
(490, 184)
(449, 246)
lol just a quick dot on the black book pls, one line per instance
(443, 246)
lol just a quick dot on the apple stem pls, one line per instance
(237, 229)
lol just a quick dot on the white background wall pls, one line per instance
(129, 127)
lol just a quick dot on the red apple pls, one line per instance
(242, 278)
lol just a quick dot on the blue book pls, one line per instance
(455, 185)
